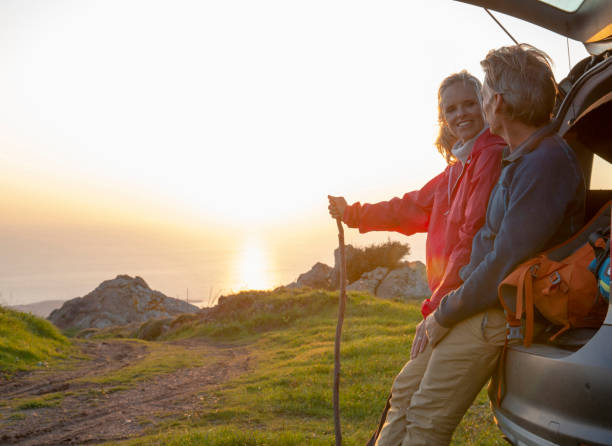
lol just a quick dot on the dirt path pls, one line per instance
(92, 413)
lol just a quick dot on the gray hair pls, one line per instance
(523, 75)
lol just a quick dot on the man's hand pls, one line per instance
(435, 331)
(420, 341)
(336, 207)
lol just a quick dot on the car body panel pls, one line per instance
(518, 435)
(591, 23)
(608, 320)
(565, 399)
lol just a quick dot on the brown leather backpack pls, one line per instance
(558, 284)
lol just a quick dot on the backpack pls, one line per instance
(600, 266)
(558, 284)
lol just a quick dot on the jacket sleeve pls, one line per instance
(407, 215)
(537, 201)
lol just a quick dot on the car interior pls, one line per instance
(582, 117)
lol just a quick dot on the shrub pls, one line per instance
(387, 255)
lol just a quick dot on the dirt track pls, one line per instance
(93, 413)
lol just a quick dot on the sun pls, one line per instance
(253, 266)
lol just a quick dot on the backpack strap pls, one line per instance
(528, 285)
(566, 327)
(524, 300)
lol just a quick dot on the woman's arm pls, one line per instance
(407, 215)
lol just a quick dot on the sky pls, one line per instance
(194, 143)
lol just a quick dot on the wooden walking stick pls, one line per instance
(341, 307)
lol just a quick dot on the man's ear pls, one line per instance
(498, 103)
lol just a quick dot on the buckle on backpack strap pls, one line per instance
(555, 278)
(514, 332)
(534, 270)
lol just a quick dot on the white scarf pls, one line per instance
(462, 151)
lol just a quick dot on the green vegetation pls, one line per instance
(48, 400)
(241, 316)
(285, 396)
(233, 437)
(17, 416)
(160, 359)
(388, 255)
(27, 340)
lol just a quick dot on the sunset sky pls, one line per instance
(194, 143)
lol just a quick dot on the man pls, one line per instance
(537, 203)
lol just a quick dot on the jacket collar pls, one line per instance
(528, 145)
(467, 147)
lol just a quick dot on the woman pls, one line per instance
(451, 207)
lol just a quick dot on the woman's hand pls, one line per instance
(420, 340)
(336, 207)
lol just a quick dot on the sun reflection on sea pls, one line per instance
(253, 266)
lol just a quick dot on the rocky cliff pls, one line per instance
(119, 301)
(407, 282)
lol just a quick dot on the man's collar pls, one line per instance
(529, 144)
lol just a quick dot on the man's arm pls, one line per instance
(539, 196)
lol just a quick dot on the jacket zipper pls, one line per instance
(452, 191)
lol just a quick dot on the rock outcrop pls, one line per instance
(409, 281)
(369, 281)
(317, 277)
(350, 253)
(120, 301)
(406, 282)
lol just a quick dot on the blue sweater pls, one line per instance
(537, 203)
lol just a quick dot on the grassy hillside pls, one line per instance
(27, 340)
(285, 396)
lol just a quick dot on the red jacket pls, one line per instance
(450, 208)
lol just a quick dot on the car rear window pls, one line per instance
(601, 175)
(565, 5)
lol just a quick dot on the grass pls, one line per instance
(48, 400)
(285, 398)
(28, 342)
(161, 358)
(244, 315)
(17, 417)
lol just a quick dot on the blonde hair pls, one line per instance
(523, 75)
(446, 139)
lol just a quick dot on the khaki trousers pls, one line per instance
(432, 392)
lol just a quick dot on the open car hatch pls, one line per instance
(588, 21)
